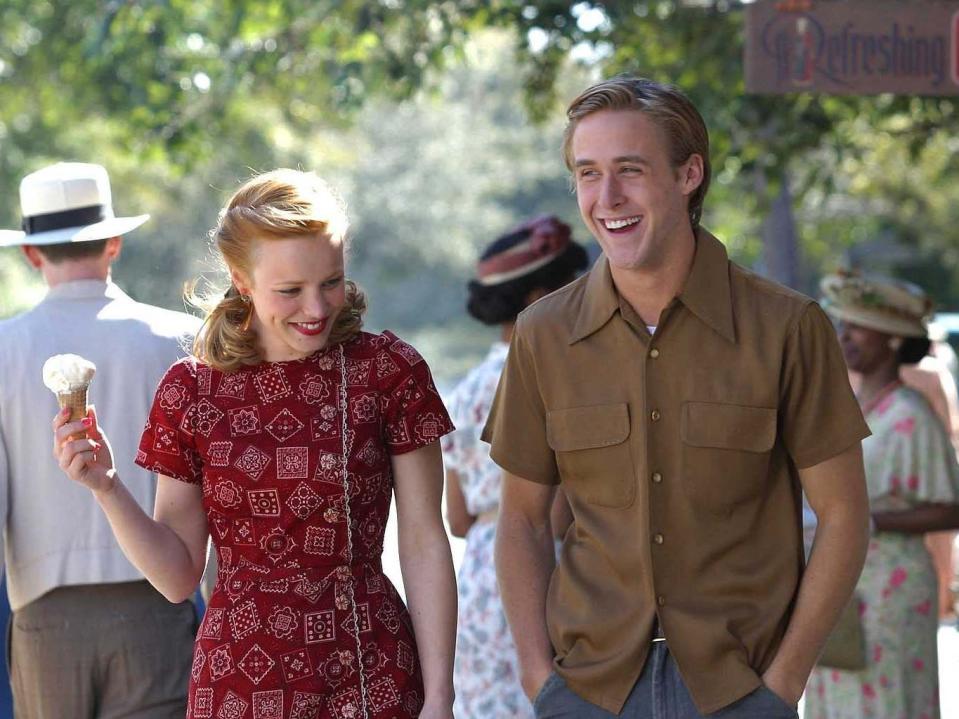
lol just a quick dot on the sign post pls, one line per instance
(855, 47)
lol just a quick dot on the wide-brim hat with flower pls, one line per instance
(879, 303)
(67, 202)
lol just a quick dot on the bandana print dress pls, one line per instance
(302, 623)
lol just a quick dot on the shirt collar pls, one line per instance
(600, 301)
(85, 290)
(706, 294)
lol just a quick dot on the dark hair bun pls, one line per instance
(494, 304)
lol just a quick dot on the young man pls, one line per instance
(682, 402)
(89, 636)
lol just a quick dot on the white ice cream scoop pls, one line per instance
(67, 373)
(68, 377)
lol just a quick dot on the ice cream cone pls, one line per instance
(68, 376)
(76, 400)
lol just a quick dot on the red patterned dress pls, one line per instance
(302, 623)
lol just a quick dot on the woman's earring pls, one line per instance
(895, 343)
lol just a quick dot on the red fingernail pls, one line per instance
(86, 421)
(65, 411)
(96, 446)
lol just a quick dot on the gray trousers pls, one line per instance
(659, 693)
(101, 651)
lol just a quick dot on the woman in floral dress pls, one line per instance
(913, 484)
(284, 440)
(515, 270)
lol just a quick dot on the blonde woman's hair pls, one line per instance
(272, 206)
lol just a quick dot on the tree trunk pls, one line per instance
(779, 236)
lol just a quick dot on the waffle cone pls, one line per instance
(76, 400)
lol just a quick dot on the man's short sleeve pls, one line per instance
(516, 428)
(818, 415)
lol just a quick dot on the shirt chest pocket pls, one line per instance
(726, 450)
(593, 454)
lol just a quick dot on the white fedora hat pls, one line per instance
(67, 202)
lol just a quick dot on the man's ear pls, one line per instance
(33, 256)
(114, 247)
(691, 173)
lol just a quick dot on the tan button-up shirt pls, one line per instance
(679, 455)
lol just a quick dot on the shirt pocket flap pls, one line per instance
(604, 425)
(729, 426)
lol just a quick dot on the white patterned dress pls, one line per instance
(908, 461)
(485, 676)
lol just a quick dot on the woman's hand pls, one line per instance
(86, 461)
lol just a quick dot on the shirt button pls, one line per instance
(655, 415)
(654, 353)
(661, 600)
(658, 538)
(657, 477)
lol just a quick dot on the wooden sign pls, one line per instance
(855, 47)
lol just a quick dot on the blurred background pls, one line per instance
(440, 123)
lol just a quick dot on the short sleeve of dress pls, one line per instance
(819, 416)
(516, 428)
(168, 444)
(413, 413)
(922, 462)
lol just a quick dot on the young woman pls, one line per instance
(913, 483)
(284, 439)
(514, 271)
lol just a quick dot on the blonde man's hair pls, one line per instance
(272, 206)
(665, 105)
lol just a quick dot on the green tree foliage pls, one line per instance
(178, 72)
(434, 179)
(867, 171)
(699, 46)
(183, 99)
(429, 179)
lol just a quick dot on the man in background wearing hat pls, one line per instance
(89, 637)
(682, 402)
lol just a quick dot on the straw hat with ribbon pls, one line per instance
(879, 303)
(67, 202)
